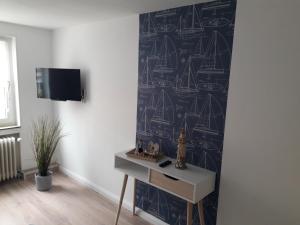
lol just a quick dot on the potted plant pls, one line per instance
(46, 135)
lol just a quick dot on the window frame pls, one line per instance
(13, 119)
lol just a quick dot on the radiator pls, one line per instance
(8, 158)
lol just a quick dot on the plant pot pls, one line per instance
(43, 183)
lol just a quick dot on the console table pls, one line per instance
(191, 184)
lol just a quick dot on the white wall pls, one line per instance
(261, 160)
(34, 49)
(107, 54)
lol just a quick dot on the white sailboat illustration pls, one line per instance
(190, 23)
(215, 21)
(154, 51)
(195, 108)
(207, 84)
(207, 161)
(143, 196)
(217, 56)
(165, 26)
(187, 83)
(159, 205)
(175, 135)
(208, 145)
(207, 122)
(146, 78)
(164, 80)
(199, 49)
(152, 102)
(194, 111)
(178, 221)
(187, 128)
(144, 128)
(225, 86)
(141, 202)
(167, 57)
(164, 110)
(148, 28)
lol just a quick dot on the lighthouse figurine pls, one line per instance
(181, 151)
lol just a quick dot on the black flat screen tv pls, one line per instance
(58, 84)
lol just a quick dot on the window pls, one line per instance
(9, 104)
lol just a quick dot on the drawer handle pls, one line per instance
(173, 178)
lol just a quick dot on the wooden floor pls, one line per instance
(68, 203)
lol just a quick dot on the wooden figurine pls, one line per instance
(181, 151)
(139, 147)
(153, 149)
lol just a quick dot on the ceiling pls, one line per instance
(54, 14)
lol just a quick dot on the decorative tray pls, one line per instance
(145, 156)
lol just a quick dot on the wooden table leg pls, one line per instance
(134, 197)
(201, 212)
(189, 214)
(121, 197)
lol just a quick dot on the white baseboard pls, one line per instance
(111, 196)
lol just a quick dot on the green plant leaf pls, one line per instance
(46, 134)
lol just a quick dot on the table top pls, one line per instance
(193, 174)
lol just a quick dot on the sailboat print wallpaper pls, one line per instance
(184, 67)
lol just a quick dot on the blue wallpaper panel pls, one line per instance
(184, 67)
